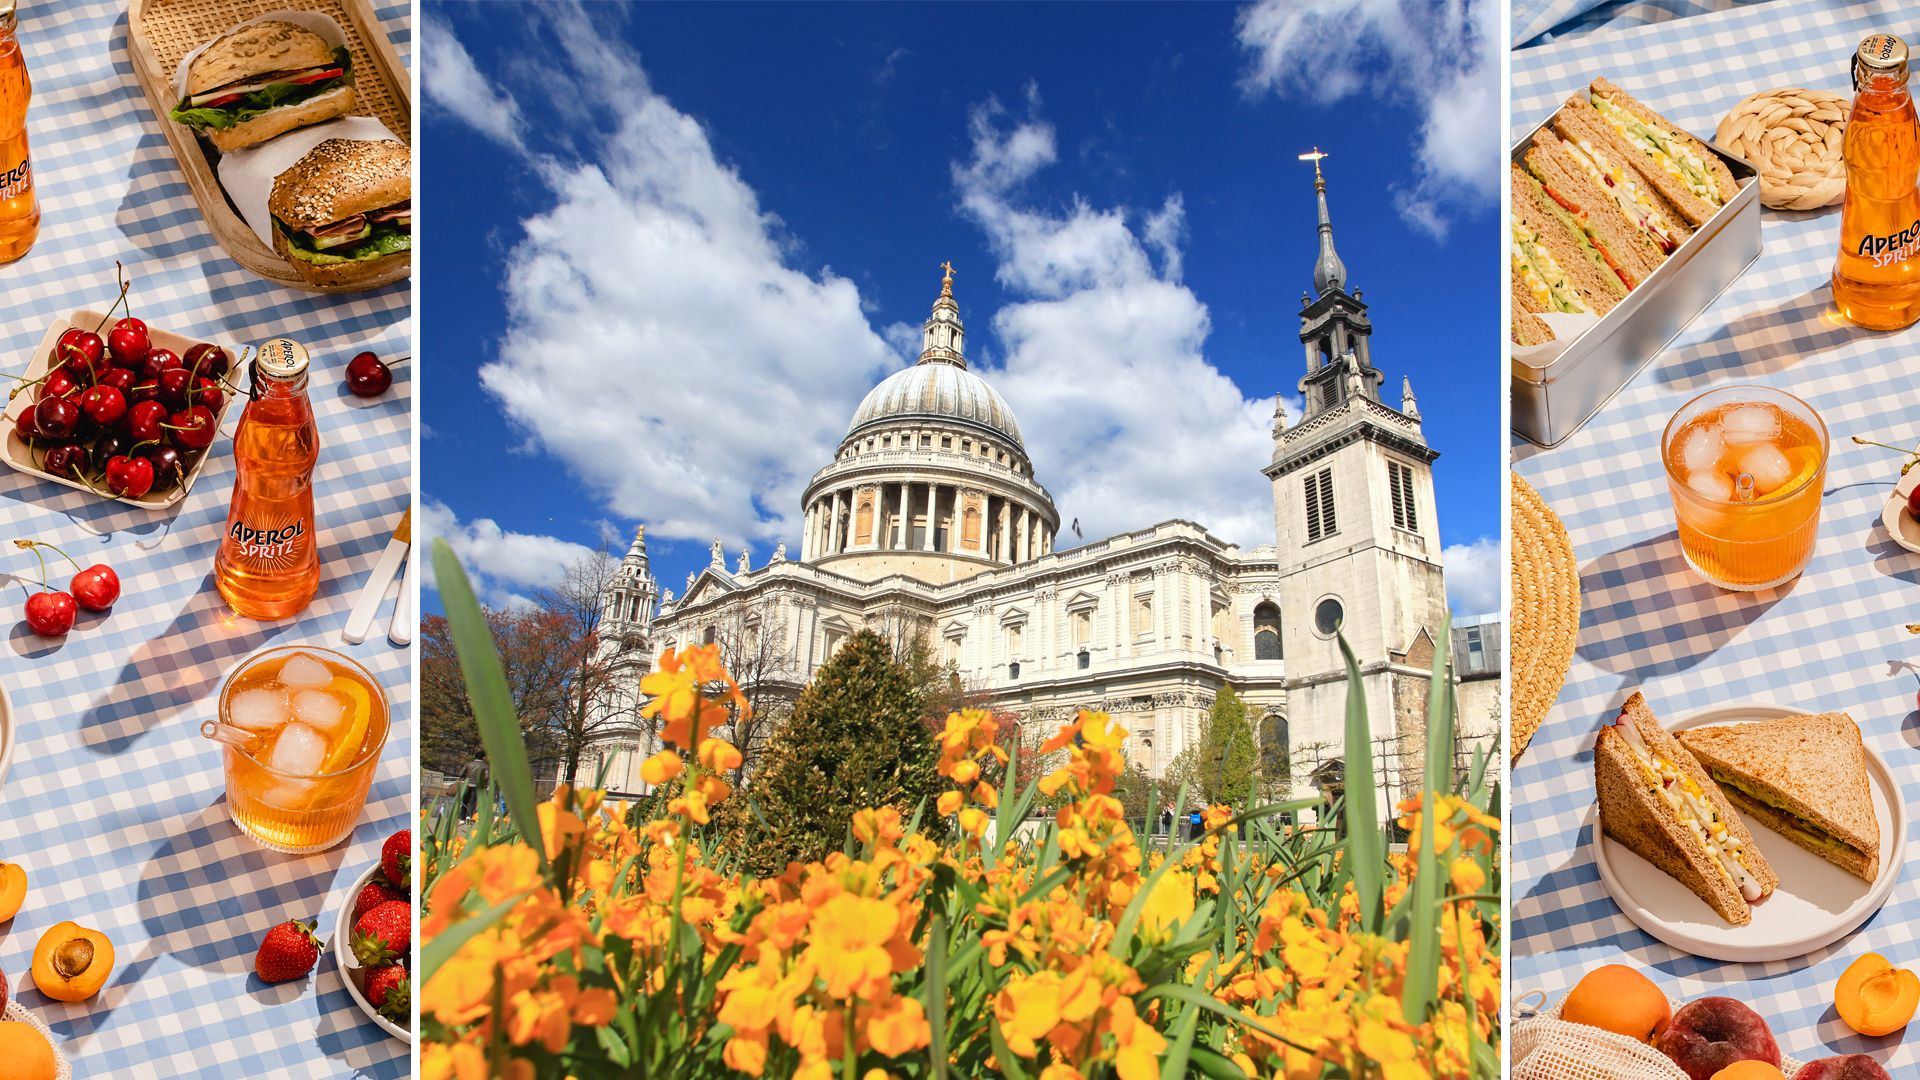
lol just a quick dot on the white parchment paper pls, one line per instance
(248, 174)
(1566, 327)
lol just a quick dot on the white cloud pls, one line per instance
(1126, 420)
(1441, 55)
(1475, 572)
(504, 566)
(454, 83)
(659, 342)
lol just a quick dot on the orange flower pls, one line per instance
(898, 1027)
(847, 946)
(661, 768)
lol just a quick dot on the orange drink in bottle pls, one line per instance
(1876, 279)
(302, 729)
(1745, 465)
(268, 565)
(19, 209)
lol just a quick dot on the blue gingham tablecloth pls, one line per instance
(1535, 22)
(1830, 640)
(114, 803)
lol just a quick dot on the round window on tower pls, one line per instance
(1327, 617)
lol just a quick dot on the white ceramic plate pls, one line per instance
(15, 452)
(350, 968)
(1815, 904)
(1899, 522)
(6, 735)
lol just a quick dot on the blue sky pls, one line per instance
(668, 249)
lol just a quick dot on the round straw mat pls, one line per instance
(1546, 611)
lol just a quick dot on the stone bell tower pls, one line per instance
(1356, 527)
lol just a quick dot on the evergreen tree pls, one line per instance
(855, 740)
(1228, 751)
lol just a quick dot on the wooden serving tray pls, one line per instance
(160, 32)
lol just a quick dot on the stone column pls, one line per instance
(906, 515)
(833, 524)
(933, 515)
(1020, 537)
(1006, 532)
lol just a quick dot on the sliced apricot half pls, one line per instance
(13, 889)
(71, 962)
(1874, 997)
(1619, 999)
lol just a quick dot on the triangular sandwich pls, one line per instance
(1659, 802)
(1804, 777)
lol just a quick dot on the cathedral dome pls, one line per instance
(940, 392)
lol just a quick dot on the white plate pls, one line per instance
(1899, 522)
(1815, 904)
(350, 968)
(6, 735)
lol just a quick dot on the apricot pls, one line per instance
(1874, 997)
(1749, 1070)
(13, 889)
(1619, 999)
(71, 962)
(27, 1053)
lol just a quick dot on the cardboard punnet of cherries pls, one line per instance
(121, 415)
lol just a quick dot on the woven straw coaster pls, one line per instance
(1546, 611)
(1794, 138)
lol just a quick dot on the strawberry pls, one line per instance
(396, 859)
(383, 935)
(287, 952)
(375, 893)
(388, 992)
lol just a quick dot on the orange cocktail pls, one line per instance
(302, 728)
(1745, 465)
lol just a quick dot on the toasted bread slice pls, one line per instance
(1527, 326)
(1804, 777)
(1698, 197)
(1589, 167)
(1634, 813)
(1594, 278)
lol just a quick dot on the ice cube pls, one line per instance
(1751, 424)
(259, 709)
(302, 672)
(1768, 467)
(319, 709)
(1701, 448)
(299, 750)
(1712, 484)
(291, 794)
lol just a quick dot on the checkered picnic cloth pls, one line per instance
(1539, 21)
(114, 803)
(1827, 641)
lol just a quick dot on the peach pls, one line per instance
(27, 1053)
(1619, 999)
(1708, 1035)
(1874, 997)
(13, 889)
(71, 962)
(3, 993)
(1850, 1067)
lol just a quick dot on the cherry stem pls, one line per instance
(44, 544)
(1886, 446)
(34, 546)
(131, 450)
(120, 276)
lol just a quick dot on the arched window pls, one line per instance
(1266, 631)
(1275, 745)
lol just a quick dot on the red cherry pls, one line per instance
(80, 350)
(127, 341)
(96, 587)
(157, 361)
(207, 392)
(192, 427)
(67, 459)
(144, 419)
(132, 477)
(56, 417)
(50, 614)
(103, 405)
(121, 379)
(1913, 502)
(208, 361)
(367, 376)
(174, 384)
(58, 383)
(168, 468)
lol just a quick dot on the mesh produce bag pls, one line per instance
(61, 1070)
(1546, 1047)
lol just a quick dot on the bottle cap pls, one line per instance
(1882, 53)
(281, 358)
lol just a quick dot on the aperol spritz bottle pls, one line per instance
(19, 209)
(1876, 280)
(268, 565)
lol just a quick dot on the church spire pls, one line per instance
(1407, 405)
(1329, 272)
(943, 337)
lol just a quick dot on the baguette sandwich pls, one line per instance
(1804, 777)
(258, 81)
(1658, 801)
(343, 214)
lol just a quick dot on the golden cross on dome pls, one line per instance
(1314, 157)
(946, 283)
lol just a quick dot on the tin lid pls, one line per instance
(281, 358)
(1880, 52)
(6, 8)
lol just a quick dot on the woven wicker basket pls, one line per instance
(161, 32)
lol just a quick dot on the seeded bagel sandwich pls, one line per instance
(343, 214)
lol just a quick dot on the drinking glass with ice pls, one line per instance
(1745, 465)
